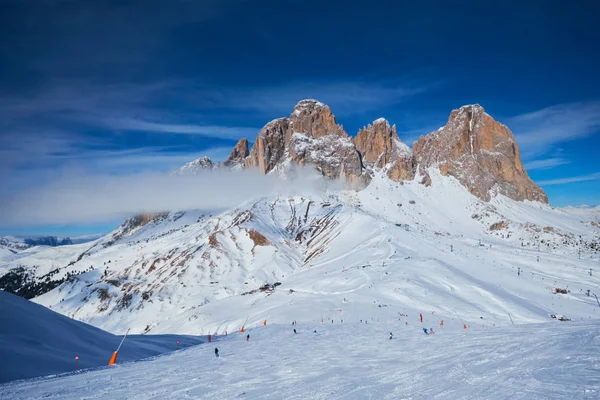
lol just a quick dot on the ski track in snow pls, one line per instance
(354, 361)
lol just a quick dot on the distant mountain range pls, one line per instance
(20, 243)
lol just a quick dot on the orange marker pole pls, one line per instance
(76, 362)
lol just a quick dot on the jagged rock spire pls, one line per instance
(481, 153)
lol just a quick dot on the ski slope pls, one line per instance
(389, 249)
(353, 360)
(35, 341)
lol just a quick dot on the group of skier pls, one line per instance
(429, 331)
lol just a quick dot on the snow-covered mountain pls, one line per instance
(453, 225)
(406, 247)
(15, 244)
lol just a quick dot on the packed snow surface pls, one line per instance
(353, 360)
(36, 341)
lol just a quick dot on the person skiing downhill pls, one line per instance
(295, 330)
(425, 330)
(216, 352)
(391, 336)
(247, 337)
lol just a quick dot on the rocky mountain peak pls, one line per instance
(269, 148)
(472, 147)
(314, 119)
(375, 143)
(481, 153)
(310, 136)
(196, 166)
(239, 154)
(380, 147)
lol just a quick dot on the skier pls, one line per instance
(391, 336)
(315, 332)
(295, 330)
(431, 331)
(216, 352)
(247, 337)
(425, 330)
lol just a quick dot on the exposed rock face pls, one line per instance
(380, 147)
(270, 145)
(474, 148)
(498, 226)
(481, 153)
(238, 155)
(309, 136)
(314, 119)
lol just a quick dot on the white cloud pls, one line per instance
(546, 163)
(562, 181)
(120, 107)
(540, 131)
(78, 197)
(344, 97)
(223, 132)
(30, 158)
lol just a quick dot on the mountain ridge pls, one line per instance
(197, 271)
(479, 151)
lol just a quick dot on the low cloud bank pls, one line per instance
(82, 198)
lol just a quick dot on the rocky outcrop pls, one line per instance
(270, 145)
(238, 155)
(474, 148)
(380, 147)
(310, 136)
(481, 153)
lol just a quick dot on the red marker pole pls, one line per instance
(76, 362)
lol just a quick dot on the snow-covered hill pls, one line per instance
(351, 360)
(35, 341)
(391, 248)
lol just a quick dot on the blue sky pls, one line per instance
(119, 88)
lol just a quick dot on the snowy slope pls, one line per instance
(35, 341)
(13, 243)
(383, 250)
(351, 360)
